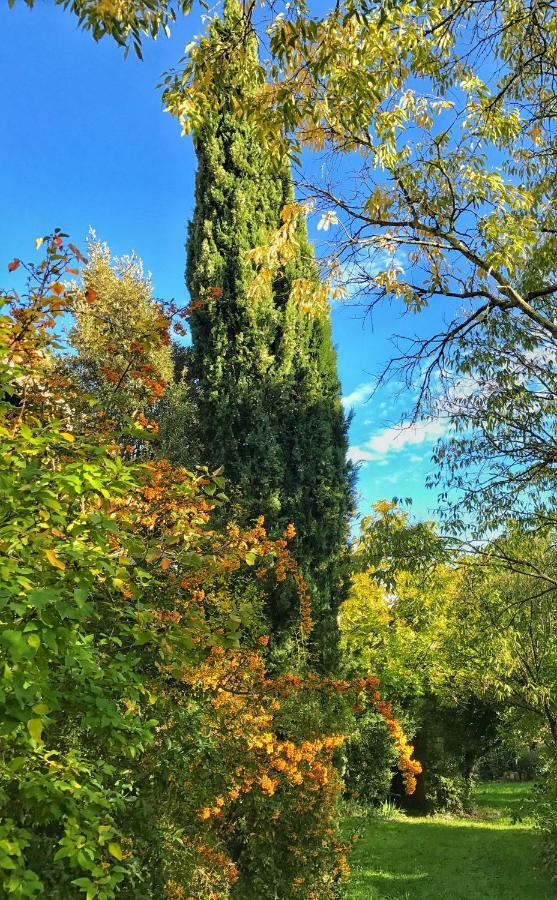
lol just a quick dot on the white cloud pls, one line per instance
(359, 395)
(358, 454)
(393, 478)
(396, 438)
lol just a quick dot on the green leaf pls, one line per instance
(87, 885)
(35, 729)
(115, 850)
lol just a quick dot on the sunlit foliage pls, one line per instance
(145, 747)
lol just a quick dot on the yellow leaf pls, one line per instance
(41, 708)
(53, 559)
(35, 729)
(38, 242)
(34, 641)
(67, 436)
(115, 850)
(536, 134)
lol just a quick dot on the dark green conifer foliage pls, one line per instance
(265, 373)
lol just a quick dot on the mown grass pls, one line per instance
(490, 856)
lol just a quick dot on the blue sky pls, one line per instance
(86, 144)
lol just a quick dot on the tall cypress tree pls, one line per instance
(265, 372)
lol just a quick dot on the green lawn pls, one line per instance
(488, 857)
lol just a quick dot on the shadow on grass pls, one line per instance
(445, 860)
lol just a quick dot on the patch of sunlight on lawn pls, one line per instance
(395, 876)
(449, 858)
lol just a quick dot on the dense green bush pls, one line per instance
(370, 757)
(449, 793)
(145, 751)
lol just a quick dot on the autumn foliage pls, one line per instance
(148, 750)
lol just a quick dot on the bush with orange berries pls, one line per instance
(147, 749)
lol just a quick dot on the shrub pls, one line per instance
(137, 714)
(370, 757)
(449, 793)
(147, 751)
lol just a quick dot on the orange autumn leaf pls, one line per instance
(14, 265)
(77, 253)
(165, 564)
